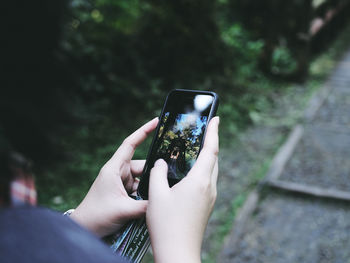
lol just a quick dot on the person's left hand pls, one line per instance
(107, 206)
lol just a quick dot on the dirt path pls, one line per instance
(309, 220)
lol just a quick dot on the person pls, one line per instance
(30, 108)
(176, 217)
(172, 167)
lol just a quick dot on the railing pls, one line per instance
(329, 16)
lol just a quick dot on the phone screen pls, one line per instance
(180, 135)
(180, 139)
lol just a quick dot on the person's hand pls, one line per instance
(107, 206)
(177, 216)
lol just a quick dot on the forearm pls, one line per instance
(175, 253)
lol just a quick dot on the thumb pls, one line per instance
(158, 181)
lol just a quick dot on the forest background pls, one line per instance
(114, 62)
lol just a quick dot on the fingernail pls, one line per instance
(217, 120)
(159, 162)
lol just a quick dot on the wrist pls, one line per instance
(86, 220)
(185, 257)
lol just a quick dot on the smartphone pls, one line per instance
(180, 134)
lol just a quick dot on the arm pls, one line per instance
(177, 216)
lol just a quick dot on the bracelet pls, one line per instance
(68, 212)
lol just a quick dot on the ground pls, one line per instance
(309, 220)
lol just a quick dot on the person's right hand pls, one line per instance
(177, 216)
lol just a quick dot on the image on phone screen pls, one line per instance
(180, 136)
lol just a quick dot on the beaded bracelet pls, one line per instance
(68, 212)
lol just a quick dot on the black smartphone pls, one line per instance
(180, 134)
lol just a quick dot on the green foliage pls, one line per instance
(280, 26)
(283, 61)
(245, 51)
(123, 57)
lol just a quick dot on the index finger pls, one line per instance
(209, 154)
(127, 149)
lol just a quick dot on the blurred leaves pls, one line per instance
(283, 61)
(119, 59)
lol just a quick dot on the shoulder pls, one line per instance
(30, 234)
